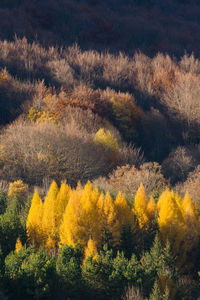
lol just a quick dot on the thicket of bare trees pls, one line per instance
(150, 103)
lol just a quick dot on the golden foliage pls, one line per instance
(81, 220)
(90, 218)
(105, 139)
(49, 217)
(17, 188)
(140, 207)
(151, 208)
(171, 222)
(126, 114)
(34, 221)
(124, 214)
(70, 229)
(109, 222)
(61, 202)
(91, 249)
(18, 245)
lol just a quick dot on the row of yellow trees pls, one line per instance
(86, 216)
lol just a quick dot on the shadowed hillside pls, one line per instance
(151, 26)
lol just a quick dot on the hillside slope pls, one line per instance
(151, 26)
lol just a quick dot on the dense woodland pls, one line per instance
(99, 150)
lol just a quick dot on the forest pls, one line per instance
(99, 150)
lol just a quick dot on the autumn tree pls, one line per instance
(192, 230)
(151, 209)
(69, 228)
(91, 249)
(17, 188)
(18, 245)
(81, 220)
(124, 215)
(49, 217)
(109, 222)
(61, 202)
(34, 221)
(140, 206)
(171, 222)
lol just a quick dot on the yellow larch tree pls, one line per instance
(61, 202)
(178, 199)
(18, 245)
(90, 217)
(151, 209)
(109, 223)
(140, 207)
(69, 228)
(81, 220)
(171, 222)
(34, 221)
(192, 224)
(18, 188)
(124, 215)
(49, 217)
(91, 249)
(166, 193)
(106, 139)
(188, 209)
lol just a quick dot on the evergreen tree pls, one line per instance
(159, 263)
(156, 293)
(30, 274)
(96, 274)
(68, 268)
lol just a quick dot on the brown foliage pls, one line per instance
(33, 152)
(127, 179)
(191, 185)
(180, 162)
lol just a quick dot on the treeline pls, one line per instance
(82, 243)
